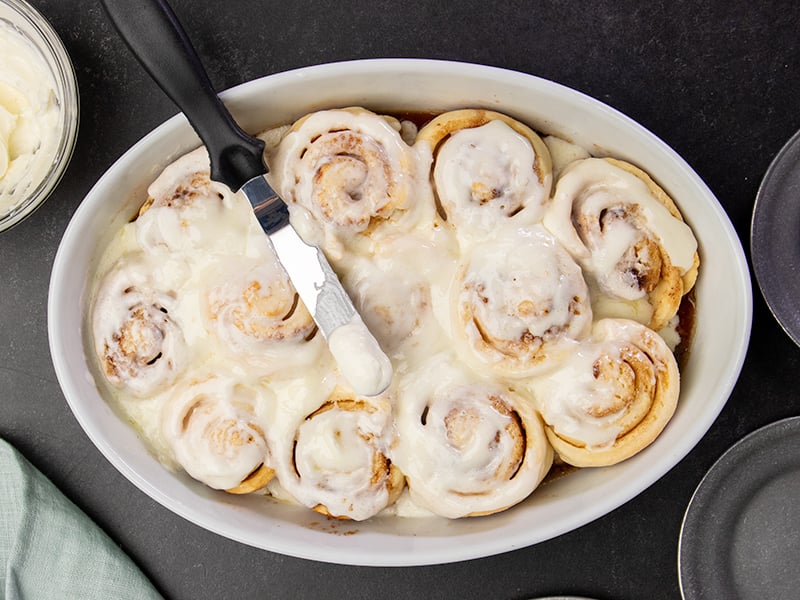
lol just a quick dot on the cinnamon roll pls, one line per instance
(139, 344)
(255, 311)
(487, 169)
(394, 303)
(499, 300)
(612, 397)
(628, 236)
(186, 210)
(336, 462)
(347, 171)
(210, 424)
(467, 447)
(520, 303)
(394, 289)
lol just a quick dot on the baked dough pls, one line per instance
(612, 397)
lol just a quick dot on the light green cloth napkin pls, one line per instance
(50, 549)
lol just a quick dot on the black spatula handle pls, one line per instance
(155, 36)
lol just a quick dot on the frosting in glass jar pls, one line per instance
(30, 127)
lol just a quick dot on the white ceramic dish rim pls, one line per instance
(719, 346)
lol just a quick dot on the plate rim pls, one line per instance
(760, 206)
(721, 461)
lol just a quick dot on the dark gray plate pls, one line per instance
(562, 598)
(775, 237)
(740, 537)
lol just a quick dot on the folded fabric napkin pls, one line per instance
(50, 549)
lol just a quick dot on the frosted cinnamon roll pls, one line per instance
(186, 210)
(612, 397)
(211, 426)
(394, 303)
(336, 462)
(487, 169)
(392, 289)
(139, 344)
(627, 234)
(467, 447)
(347, 171)
(520, 303)
(257, 313)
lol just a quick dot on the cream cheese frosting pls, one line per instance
(627, 235)
(520, 303)
(467, 446)
(612, 396)
(484, 175)
(599, 184)
(211, 426)
(361, 360)
(30, 124)
(502, 327)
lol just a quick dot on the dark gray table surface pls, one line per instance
(719, 81)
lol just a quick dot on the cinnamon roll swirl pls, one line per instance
(489, 290)
(258, 315)
(520, 303)
(349, 170)
(628, 236)
(612, 397)
(488, 168)
(186, 210)
(211, 426)
(140, 346)
(336, 462)
(467, 447)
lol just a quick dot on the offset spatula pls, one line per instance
(157, 39)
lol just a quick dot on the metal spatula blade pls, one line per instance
(155, 36)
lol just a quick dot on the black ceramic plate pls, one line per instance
(741, 533)
(775, 237)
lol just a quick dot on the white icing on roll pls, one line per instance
(140, 345)
(346, 167)
(612, 396)
(333, 460)
(393, 301)
(467, 447)
(520, 302)
(563, 153)
(468, 309)
(600, 212)
(394, 290)
(255, 311)
(189, 211)
(484, 176)
(213, 430)
(578, 404)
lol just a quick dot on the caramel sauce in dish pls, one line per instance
(529, 296)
